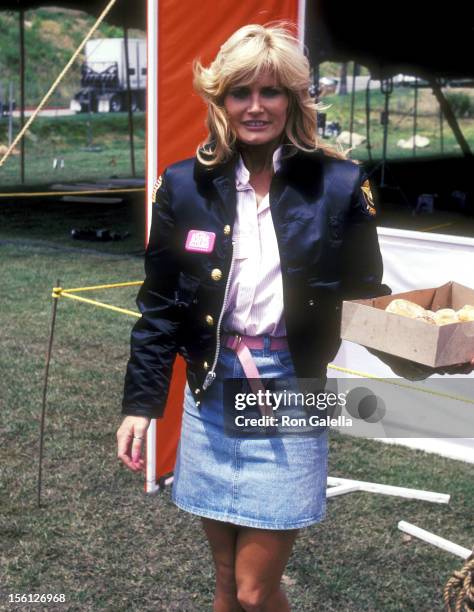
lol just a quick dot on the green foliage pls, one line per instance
(51, 37)
(461, 103)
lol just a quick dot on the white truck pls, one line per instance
(104, 77)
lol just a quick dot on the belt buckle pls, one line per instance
(236, 340)
(233, 341)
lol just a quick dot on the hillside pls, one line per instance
(51, 37)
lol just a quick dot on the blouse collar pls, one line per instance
(242, 175)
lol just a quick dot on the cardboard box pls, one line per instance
(366, 322)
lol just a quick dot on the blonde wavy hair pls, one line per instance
(250, 51)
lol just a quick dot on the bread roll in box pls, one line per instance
(366, 322)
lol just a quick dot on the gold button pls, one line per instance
(226, 230)
(205, 365)
(209, 320)
(216, 274)
(196, 391)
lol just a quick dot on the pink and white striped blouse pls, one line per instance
(255, 298)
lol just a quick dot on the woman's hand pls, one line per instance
(130, 441)
(460, 368)
(416, 371)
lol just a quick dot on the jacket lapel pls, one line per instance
(300, 174)
(218, 183)
(225, 188)
(298, 182)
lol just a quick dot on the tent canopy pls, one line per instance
(389, 37)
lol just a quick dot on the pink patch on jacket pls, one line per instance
(199, 241)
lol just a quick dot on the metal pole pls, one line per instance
(10, 114)
(316, 77)
(415, 117)
(343, 80)
(387, 88)
(441, 130)
(45, 389)
(450, 117)
(89, 120)
(22, 93)
(138, 70)
(351, 123)
(385, 137)
(367, 118)
(129, 97)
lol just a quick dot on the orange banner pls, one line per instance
(192, 29)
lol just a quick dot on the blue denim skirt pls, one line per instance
(263, 482)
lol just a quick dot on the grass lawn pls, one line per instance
(400, 124)
(67, 138)
(103, 542)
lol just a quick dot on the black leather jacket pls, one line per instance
(329, 251)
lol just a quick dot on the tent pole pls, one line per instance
(367, 117)
(45, 388)
(351, 123)
(129, 99)
(10, 113)
(22, 92)
(450, 118)
(302, 23)
(441, 132)
(386, 86)
(343, 80)
(316, 77)
(415, 117)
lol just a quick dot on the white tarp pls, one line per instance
(417, 260)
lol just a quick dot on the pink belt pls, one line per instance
(241, 345)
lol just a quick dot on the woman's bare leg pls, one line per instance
(260, 559)
(222, 539)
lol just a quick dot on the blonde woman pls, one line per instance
(254, 243)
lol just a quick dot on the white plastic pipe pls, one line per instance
(374, 487)
(341, 489)
(436, 540)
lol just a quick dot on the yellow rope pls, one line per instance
(60, 290)
(99, 304)
(38, 194)
(56, 82)
(399, 384)
(433, 227)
